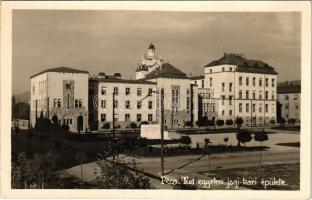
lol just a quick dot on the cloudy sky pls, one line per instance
(114, 41)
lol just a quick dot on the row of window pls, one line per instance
(42, 88)
(127, 91)
(127, 117)
(202, 83)
(240, 108)
(230, 69)
(240, 95)
(57, 103)
(127, 104)
(254, 80)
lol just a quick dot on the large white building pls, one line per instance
(60, 94)
(243, 88)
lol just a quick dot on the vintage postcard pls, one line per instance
(156, 100)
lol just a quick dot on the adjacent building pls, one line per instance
(289, 95)
(61, 95)
(243, 88)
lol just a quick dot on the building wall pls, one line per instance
(122, 97)
(290, 105)
(220, 78)
(54, 86)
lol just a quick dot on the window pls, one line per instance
(240, 94)
(240, 107)
(54, 103)
(150, 105)
(210, 81)
(150, 117)
(33, 89)
(139, 92)
(247, 81)
(230, 112)
(272, 95)
(266, 82)
(230, 87)
(103, 117)
(195, 83)
(103, 104)
(223, 69)
(59, 104)
(266, 108)
(260, 95)
(116, 90)
(260, 81)
(266, 95)
(127, 117)
(230, 100)
(139, 105)
(115, 104)
(260, 108)
(127, 91)
(286, 97)
(210, 71)
(253, 95)
(297, 106)
(139, 117)
(150, 91)
(223, 86)
(273, 82)
(222, 97)
(253, 107)
(187, 99)
(67, 86)
(247, 94)
(247, 107)
(230, 69)
(127, 104)
(202, 83)
(80, 103)
(240, 80)
(103, 91)
(222, 112)
(254, 81)
(70, 121)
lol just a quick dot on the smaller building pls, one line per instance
(289, 95)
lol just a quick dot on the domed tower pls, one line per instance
(151, 51)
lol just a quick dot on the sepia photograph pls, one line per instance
(155, 99)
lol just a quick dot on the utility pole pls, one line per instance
(113, 128)
(36, 125)
(162, 116)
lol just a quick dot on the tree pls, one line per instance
(199, 123)
(281, 121)
(291, 121)
(243, 137)
(229, 122)
(106, 125)
(81, 157)
(239, 121)
(185, 140)
(220, 122)
(272, 121)
(188, 123)
(226, 139)
(261, 137)
(133, 125)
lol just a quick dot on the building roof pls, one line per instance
(197, 77)
(289, 87)
(129, 81)
(243, 64)
(61, 70)
(151, 46)
(166, 71)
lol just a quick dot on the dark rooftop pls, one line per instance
(114, 80)
(289, 87)
(243, 64)
(166, 71)
(61, 70)
(197, 77)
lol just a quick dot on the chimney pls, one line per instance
(102, 75)
(117, 76)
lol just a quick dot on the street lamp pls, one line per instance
(161, 127)
(113, 128)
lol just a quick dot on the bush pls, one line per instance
(291, 121)
(188, 123)
(239, 121)
(144, 122)
(210, 123)
(281, 121)
(272, 121)
(199, 123)
(133, 125)
(243, 137)
(220, 122)
(186, 140)
(106, 125)
(65, 127)
(229, 122)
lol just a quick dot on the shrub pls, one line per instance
(260, 137)
(199, 123)
(272, 121)
(281, 121)
(229, 122)
(186, 140)
(144, 122)
(220, 122)
(106, 125)
(291, 121)
(243, 137)
(188, 123)
(239, 121)
(133, 125)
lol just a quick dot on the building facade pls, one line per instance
(243, 88)
(289, 96)
(61, 95)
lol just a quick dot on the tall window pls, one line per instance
(127, 117)
(103, 104)
(247, 81)
(222, 97)
(210, 81)
(139, 105)
(230, 87)
(260, 95)
(175, 98)
(139, 117)
(103, 117)
(240, 107)
(266, 107)
(210, 71)
(240, 94)
(103, 90)
(59, 103)
(273, 82)
(223, 86)
(54, 103)
(222, 112)
(202, 83)
(115, 104)
(139, 92)
(253, 107)
(247, 107)
(150, 105)
(127, 104)
(116, 90)
(150, 91)
(272, 95)
(230, 100)
(187, 99)
(286, 97)
(231, 69)
(260, 81)
(33, 89)
(230, 112)
(247, 94)
(253, 95)
(240, 80)
(223, 69)
(127, 91)
(260, 108)
(150, 117)
(266, 82)
(254, 81)
(266, 95)
(80, 103)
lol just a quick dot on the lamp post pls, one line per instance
(162, 128)
(113, 128)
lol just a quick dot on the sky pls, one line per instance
(114, 41)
